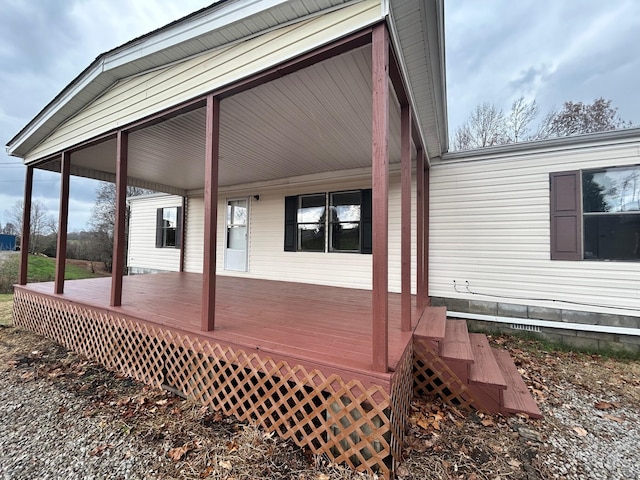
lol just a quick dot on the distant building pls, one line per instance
(7, 242)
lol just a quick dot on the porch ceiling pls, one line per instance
(317, 119)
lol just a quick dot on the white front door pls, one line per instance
(235, 254)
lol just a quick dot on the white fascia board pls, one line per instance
(209, 21)
(66, 96)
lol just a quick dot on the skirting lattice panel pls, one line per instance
(341, 419)
(432, 376)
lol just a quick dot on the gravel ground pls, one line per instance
(63, 416)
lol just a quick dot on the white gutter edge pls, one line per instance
(547, 323)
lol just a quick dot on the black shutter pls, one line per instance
(159, 228)
(566, 215)
(366, 234)
(179, 228)
(290, 230)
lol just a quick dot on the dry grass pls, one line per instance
(6, 309)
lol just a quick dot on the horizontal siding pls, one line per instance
(267, 258)
(142, 252)
(137, 97)
(490, 227)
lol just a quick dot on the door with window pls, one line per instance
(237, 222)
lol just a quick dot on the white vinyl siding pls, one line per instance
(490, 227)
(142, 253)
(267, 258)
(136, 97)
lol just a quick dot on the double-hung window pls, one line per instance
(595, 214)
(168, 227)
(329, 222)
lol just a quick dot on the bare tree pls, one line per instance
(103, 217)
(518, 122)
(40, 225)
(485, 128)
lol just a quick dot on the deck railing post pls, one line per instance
(425, 290)
(26, 227)
(405, 218)
(380, 194)
(210, 212)
(61, 247)
(117, 266)
(420, 300)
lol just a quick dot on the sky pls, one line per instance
(496, 51)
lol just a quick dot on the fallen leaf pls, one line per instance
(226, 464)
(323, 476)
(62, 409)
(164, 401)
(96, 452)
(177, 453)
(207, 471)
(232, 446)
(487, 422)
(604, 405)
(615, 419)
(515, 463)
(580, 431)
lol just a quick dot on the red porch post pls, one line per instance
(405, 218)
(210, 213)
(26, 226)
(420, 229)
(117, 269)
(61, 248)
(380, 183)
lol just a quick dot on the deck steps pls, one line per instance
(432, 324)
(516, 397)
(487, 377)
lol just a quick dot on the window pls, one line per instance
(346, 228)
(168, 227)
(595, 214)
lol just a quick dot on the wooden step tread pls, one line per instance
(456, 345)
(516, 398)
(485, 369)
(432, 324)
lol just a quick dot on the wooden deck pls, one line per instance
(319, 327)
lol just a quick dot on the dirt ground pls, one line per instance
(442, 442)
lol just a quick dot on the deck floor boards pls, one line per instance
(320, 325)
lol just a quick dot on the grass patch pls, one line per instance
(6, 297)
(40, 269)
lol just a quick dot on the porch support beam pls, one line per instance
(117, 269)
(380, 201)
(210, 212)
(26, 226)
(63, 217)
(420, 300)
(183, 230)
(405, 218)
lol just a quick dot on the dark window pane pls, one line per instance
(311, 209)
(345, 207)
(611, 190)
(612, 237)
(345, 237)
(311, 237)
(169, 239)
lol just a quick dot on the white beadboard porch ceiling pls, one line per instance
(315, 120)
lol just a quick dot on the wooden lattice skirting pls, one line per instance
(341, 419)
(432, 376)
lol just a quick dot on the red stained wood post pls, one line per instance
(122, 141)
(183, 235)
(26, 227)
(210, 213)
(405, 218)
(61, 249)
(420, 300)
(380, 183)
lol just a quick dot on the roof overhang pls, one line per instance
(226, 22)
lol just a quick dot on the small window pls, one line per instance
(311, 223)
(611, 213)
(168, 227)
(345, 221)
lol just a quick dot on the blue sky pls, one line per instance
(496, 51)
